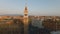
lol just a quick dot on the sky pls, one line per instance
(35, 7)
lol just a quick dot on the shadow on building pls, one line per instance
(13, 28)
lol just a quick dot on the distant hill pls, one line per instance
(11, 15)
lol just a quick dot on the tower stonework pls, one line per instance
(25, 20)
(26, 15)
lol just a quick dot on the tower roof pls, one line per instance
(25, 7)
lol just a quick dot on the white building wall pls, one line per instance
(37, 23)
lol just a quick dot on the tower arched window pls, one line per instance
(25, 14)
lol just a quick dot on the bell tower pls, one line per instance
(25, 15)
(26, 19)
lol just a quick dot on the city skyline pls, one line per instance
(35, 7)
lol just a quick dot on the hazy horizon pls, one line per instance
(35, 7)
